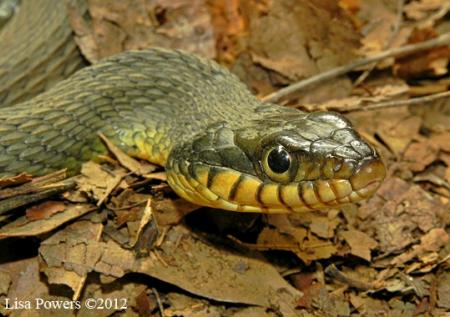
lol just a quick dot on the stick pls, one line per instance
(21, 200)
(334, 273)
(398, 103)
(444, 39)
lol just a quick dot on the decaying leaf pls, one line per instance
(119, 25)
(45, 210)
(98, 183)
(22, 227)
(183, 261)
(433, 241)
(15, 180)
(5, 281)
(70, 254)
(397, 211)
(360, 243)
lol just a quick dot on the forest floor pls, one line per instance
(120, 236)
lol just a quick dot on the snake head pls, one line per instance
(284, 162)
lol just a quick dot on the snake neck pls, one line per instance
(177, 98)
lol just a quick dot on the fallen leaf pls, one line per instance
(397, 133)
(396, 213)
(98, 183)
(432, 62)
(433, 241)
(24, 228)
(5, 281)
(420, 154)
(419, 10)
(121, 25)
(443, 289)
(45, 210)
(125, 160)
(15, 180)
(360, 243)
(70, 254)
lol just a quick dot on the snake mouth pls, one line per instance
(368, 177)
(223, 188)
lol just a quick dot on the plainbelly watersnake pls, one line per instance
(221, 147)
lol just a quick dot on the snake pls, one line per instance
(221, 146)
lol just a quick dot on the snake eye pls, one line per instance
(277, 163)
(279, 160)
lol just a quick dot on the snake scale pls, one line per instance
(221, 147)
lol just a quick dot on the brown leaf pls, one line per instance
(121, 25)
(24, 228)
(71, 254)
(432, 62)
(421, 154)
(377, 94)
(98, 183)
(230, 27)
(302, 31)
(433, 241)
(15, 180)
(399, 213)
(419, 10)
(84, 37)
(398, 132)
(443, 290)
(125, 160)
(170, 212)
(377, 36)
(27, 285)
(323, 227)
(45, 210)
(360, 243)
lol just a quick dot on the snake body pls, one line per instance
(37, 49)
(221, 147)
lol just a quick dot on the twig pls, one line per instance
(35, 185)
(444, 39)
(21, 200)
(158, 300)
(333, 272)
(137, 204)
(398, 103)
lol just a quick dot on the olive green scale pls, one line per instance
(143, 101)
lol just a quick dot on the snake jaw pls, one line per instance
(222, 188)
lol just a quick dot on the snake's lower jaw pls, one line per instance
(227, 189)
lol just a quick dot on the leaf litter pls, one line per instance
(122, 233)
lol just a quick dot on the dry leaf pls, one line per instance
(45, 210)
(24, 228)
(433, 241)
(15, 180)
(360, 243)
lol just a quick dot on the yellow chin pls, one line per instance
(227, 189)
